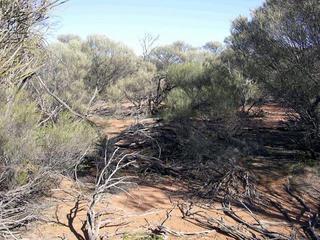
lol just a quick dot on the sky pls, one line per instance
(193, 21)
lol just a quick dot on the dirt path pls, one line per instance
(147, 206)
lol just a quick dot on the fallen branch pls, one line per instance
(229, 212)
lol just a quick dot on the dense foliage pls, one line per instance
(279, 48)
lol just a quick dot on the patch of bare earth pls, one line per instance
(147, 206)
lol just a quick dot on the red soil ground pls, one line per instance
(145, 206)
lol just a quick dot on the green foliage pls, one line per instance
(77, 70)
(63, 143)
(109, 62)
(22, 177)
(209, 90)
(178, 53)
(214, 47)
(30, 152)
(279, 48)
(55, 146)
(179, 105)
(188, 80)
(65, 68)
(164, 56)
(136, 87)
(142, 237)
(17, 128)
(249, 90)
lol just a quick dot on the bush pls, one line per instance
(137, 88)
(249, 90)
(207, 90)
(63, 143)
(109, 62)
(179, 105)
(179, 53)
(279, 48)
(26, 145)
(31, 155)
(21, 177)
(17, 131)
(79, 72)
(142, 237)
(65, 67)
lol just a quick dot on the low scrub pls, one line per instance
(32, 154)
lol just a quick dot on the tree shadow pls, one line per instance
(71, 216)
(267, 152)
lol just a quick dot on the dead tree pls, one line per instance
(108, 178)
(147, 44)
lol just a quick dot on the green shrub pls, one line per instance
(22, 177)
(65, 67)
(63, 143)
(202, 90)
(17, 130)
(278, 47)
(178, 105)
(142, 236)
(138, 88)
(109, 62)
(27, 145)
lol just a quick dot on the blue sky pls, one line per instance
(193, 21)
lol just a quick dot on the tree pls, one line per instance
(147, 45)
(178, 53)
(66, 38)
(109, 62)
(248, 88)
(164, 56)
(280, 47)
(145, 89)
(64, 71)
(214, 47)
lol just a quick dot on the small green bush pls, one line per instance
(25, 144)
(137, 88)
(22, 177)
(179, 104)
(17, 130)
(142, 236)
(63, 143)
(202, 90)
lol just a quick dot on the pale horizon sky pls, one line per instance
(192, 21)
